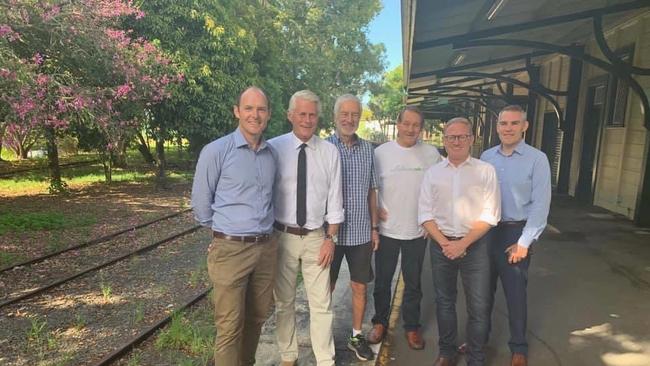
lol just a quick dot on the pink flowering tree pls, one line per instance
(70, 63)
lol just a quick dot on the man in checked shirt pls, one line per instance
(358, 234)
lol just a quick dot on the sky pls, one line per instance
(386, 28)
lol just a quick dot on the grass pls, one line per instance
(199, 274)
(87, 175)
(138, 313)
(192, 334)
(35, 221)
(7, 259)
(39, 337)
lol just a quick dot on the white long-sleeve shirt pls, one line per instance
(455, 197)
(324, 190)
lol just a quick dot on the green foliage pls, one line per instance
(34, 221)
(8, 259)
(388, 97)
(282, 46)
(181, 334)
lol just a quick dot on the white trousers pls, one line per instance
(292, 250)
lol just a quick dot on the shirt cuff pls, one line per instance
(525, 240)
(335, 217)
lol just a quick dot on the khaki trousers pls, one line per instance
(243, 275)
(292, 251)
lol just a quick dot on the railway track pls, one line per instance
(138, 284)
(102, 239)
(31, 293)
(133, 342)
(76, 164)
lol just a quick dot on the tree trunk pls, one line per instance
(2, 136)
(56, 184)
(161, 178)
(22, 152)
(144, 150)
(118, 156)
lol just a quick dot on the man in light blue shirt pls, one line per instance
(232, 195)
(525, 181)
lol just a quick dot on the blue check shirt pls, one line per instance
(359, 176)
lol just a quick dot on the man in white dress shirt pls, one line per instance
(308, 193)
(459, 203)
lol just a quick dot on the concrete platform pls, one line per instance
(589, 301)
(589, 297)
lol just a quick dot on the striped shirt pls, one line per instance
(359, 176)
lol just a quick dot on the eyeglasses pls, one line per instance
(461, 138)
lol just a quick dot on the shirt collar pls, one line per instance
(519, 149)
(311, 143)
(468, 161)
(240, 140)
(339, 141)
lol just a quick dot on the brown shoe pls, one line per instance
(462, 349)
(519, 359)
(288, 363)
(414, 338)
(445, 361)
(377, 334)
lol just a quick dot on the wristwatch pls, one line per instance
(334, 238)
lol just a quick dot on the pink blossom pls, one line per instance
(8, 33)
(4, 73)
(42, 79)
(123, 90)
(37, 58)
(51, 13)
(79, 103)
(61, 106)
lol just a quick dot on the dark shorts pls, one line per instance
(358, 258)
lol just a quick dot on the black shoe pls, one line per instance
(360, 347)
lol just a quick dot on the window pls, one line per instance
(619, 91)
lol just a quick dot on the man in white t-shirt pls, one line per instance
(400, 166)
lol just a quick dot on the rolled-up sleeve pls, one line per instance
(335, 213)
(425, 201)
(206, 178)
(491, 213)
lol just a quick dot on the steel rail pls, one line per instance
(97, 267)
(145, 334)
(92, 242)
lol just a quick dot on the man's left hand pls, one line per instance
(516, 253)
(326, 253)
(374, 239)
(454, 250)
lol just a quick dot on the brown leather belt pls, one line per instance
(513, 223)
(291, 230)
(244, 239)
(453, 238)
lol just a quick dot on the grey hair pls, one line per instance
(346, 98)
(514, 108)
(461, 120)
(307, 95)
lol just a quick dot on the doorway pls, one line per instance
(591, 130)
